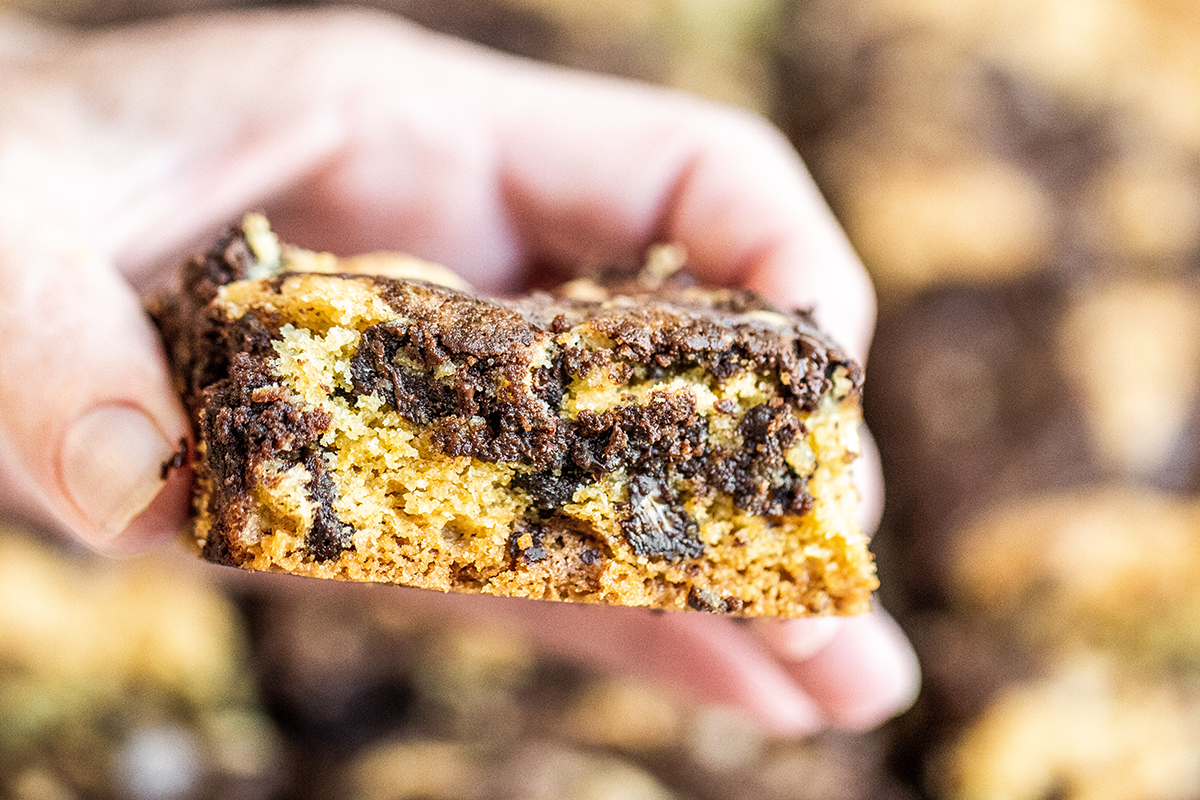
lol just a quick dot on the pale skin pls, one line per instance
(122, 150)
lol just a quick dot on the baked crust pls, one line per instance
(673, 448)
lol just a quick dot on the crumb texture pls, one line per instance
(681, 448)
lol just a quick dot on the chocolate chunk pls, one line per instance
(549, 489)
(675, 329)
(656, 525)
(329, 536)
(707, 600)
(535, 552)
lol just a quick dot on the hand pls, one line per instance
(122, 150)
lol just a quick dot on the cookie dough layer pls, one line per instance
(676, 448)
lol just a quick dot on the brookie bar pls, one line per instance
(359, 419)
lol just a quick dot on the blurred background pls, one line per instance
(1022, 179)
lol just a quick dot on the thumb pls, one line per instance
(86, 410)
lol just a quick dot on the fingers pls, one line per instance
(703, 658)
(85, 409)
(863, 674)
(793, 677)
(707, 659)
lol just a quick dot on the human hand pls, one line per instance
(120, 150)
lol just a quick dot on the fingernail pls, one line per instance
(112, 466)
